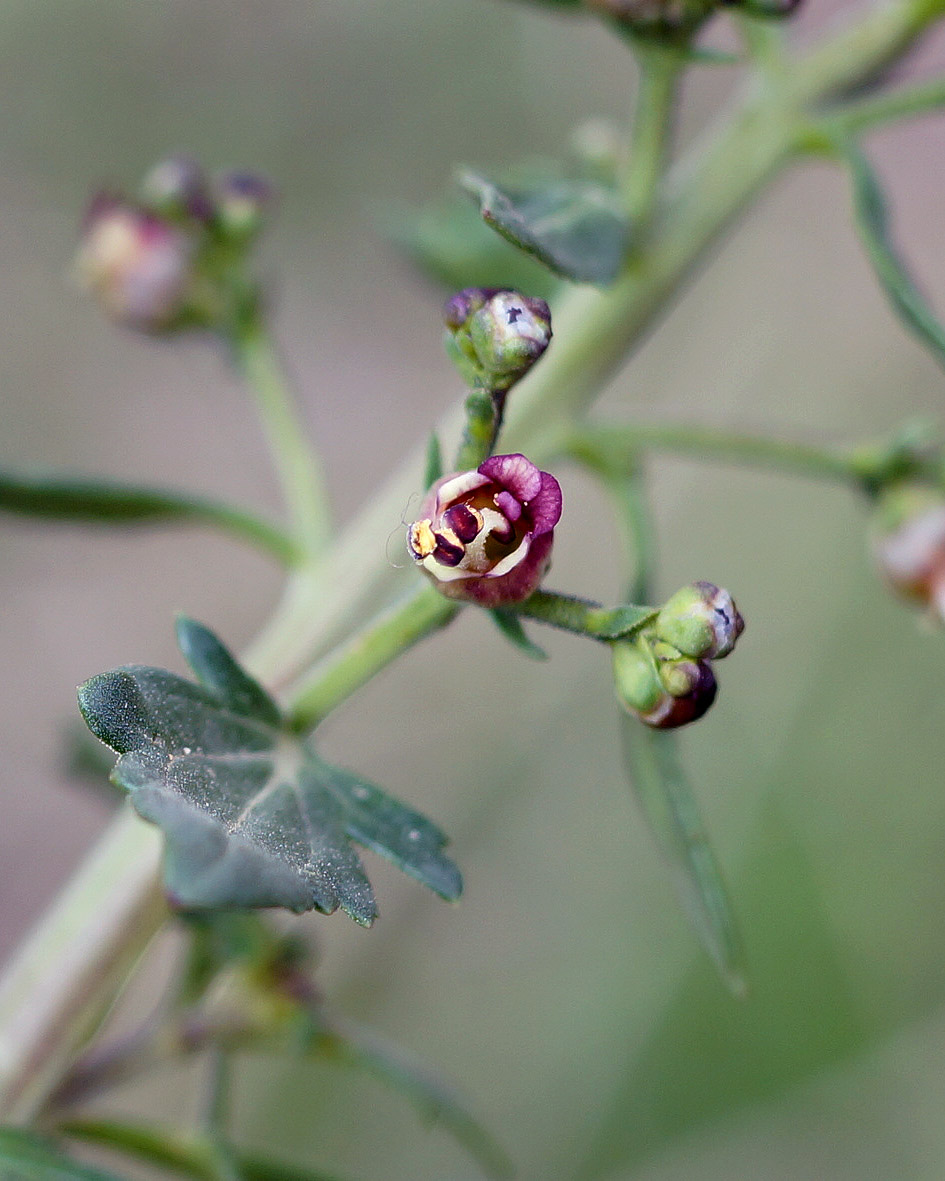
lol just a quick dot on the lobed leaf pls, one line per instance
(664, 793)
(252, 816)
(872, 219)
(576, 228)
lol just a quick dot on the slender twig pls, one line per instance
(651, 133)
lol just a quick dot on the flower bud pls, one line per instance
(242, 201)
(176, 188)
(494, 336)
(137, 264)
(909, 543)
(700, 620)
(657, 17)
(486, 536)
(659, 686)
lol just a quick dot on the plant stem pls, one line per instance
(619, 446)
(298, 468)
(651, 133)
(72, 966)
(367, 652)
(866, 114)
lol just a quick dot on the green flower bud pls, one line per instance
(657, 17)
(176, 189)
(636, 678)
(494, 336)
(243, 200)
(659, 685)
(700, 620)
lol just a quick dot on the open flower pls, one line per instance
(486, 535)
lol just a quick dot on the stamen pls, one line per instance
(449, 550)
(464, 521)
(421, 539)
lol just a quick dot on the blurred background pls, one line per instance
(565, 995)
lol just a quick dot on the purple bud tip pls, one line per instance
(485, 536)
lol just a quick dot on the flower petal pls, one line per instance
(545, 508)
(509, 507)
(516, 473)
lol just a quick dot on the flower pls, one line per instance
(486, 535)
(659, 685)
(138, 265)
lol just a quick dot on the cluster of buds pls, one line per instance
(494, 335)
(672, 19)
(485, 536)
(170, 258)
(664, 675)
(909, 543)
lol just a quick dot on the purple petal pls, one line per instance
(516, 473)
(545, 508)
(508, 506)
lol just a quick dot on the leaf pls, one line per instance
(510, 625)
(362, 1048)
(190, 1156)
(872, 221)
(77, 498)
(25, 1156)
(252, 816)
(434, 461)
(672, 813)
(452, 245)
(616, 623)
(575, 227)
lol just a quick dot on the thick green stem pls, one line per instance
(298, 468)
(73, 964)
(367, 652)
(651, 133)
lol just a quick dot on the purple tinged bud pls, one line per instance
(243, 200)
(700, 620)
(177, 188)
(494, 336)
(138, 265)
(909, 544)
(659, 686)
(486, 536)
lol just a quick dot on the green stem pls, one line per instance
(101, 502)
(865, 114)
(367, 652)
(651, 132)
(584, 617)
(619, 446)
(298, 468)
(71, 965)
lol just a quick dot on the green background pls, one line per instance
(565, 994)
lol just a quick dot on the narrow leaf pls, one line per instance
(434, 461)
(575, 227)
(187, 1156)
(436, 1101)
(672, 813)
(103, 502)
(25, 1156)
(510, 625)
(872, 221)
(252, 816)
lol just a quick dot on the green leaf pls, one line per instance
(435, 1100)
(25, 1156)
(102, 502)
(434, 461)
(187, 1156)
(452, 245)
(872, 221)
(576, 228)
(252, 816)
(510, 626)
(672, 813)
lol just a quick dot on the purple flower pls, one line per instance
(486, 535)
(136, 263)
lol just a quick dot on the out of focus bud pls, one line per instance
(485, 536)
(661, 687)
(138, 265)
(909, 543)
(700, 620)
(657, 17)
(176, 188)
(494, 336)
(242, 201)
